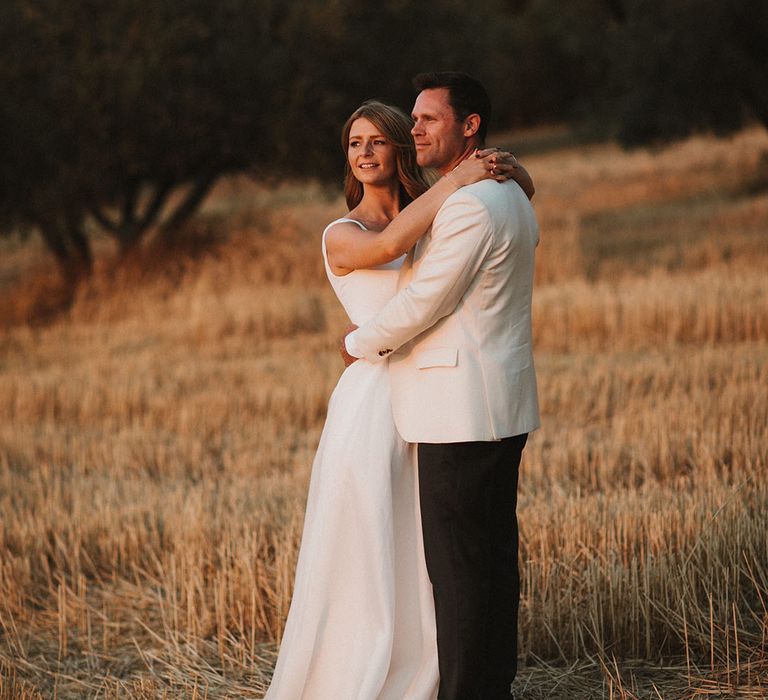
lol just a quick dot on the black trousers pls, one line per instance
(468, 496)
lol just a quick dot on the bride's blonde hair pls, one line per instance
(395, 126)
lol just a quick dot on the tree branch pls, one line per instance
(129, 205)
(155, 205)
(103, 220)
(190, 203)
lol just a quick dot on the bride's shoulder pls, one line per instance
(344, 224)
(337, 235)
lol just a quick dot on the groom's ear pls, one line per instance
(471, 125)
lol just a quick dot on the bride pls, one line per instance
(361, 624)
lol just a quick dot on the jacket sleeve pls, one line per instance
(461, 240)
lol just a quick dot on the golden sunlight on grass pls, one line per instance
(156, 439)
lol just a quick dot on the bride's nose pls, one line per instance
(367, 148)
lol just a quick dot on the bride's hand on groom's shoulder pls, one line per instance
(475, 169)
(487, 163)
(503, 163)
(507, 167)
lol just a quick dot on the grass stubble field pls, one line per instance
(156, 440)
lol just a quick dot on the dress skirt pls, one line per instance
(361, 623)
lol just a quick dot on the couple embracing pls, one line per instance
(407, 582)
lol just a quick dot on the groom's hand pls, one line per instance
(348, 359)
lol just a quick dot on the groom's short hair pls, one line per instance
(466, 95)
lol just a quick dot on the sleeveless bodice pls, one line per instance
(363, 293)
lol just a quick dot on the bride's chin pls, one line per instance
(377, 180)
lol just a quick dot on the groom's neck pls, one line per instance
(463, 155)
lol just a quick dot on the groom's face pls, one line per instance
(439, 137)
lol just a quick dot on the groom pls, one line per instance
(458, 339)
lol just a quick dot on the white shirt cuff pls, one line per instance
(351, 345)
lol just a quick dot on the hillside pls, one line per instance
(157, 432)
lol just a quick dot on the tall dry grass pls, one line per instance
(156, 438)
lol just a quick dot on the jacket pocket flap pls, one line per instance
(437, 357)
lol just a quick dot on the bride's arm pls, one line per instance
(349, 248)
(514, 170)
(521, 177)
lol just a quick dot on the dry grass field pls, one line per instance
(156, 437)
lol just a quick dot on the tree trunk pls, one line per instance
(66, 239)
(129, 231)
(129, 235)
(80, 244)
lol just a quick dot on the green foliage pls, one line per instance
(111, 108)
(115, 106)
(689, 65)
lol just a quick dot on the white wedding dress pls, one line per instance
(361, 624)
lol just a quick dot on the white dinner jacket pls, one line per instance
(458, 332)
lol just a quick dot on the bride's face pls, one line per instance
(371, 156)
